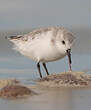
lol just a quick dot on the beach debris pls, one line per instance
(66, 79)
(15, 91)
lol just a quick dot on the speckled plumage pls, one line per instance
(32, 34)
(44, 44)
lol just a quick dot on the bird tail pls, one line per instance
(14, 40)
(13, 37)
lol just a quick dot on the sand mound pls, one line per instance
(5, 82)
(15, 91)
(66, 79)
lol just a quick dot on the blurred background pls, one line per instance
(23, 14)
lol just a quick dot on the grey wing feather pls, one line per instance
(15, 37)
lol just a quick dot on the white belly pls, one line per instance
(43, 55)
(40, 50)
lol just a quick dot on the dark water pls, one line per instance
(14, 65)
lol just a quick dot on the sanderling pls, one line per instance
(45, 45)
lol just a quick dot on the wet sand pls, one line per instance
(52, 99)
(66, 79)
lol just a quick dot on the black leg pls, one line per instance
(44, 65)
(38, 66)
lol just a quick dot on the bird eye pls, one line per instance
(63, 42)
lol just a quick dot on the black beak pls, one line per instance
(69, 58)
